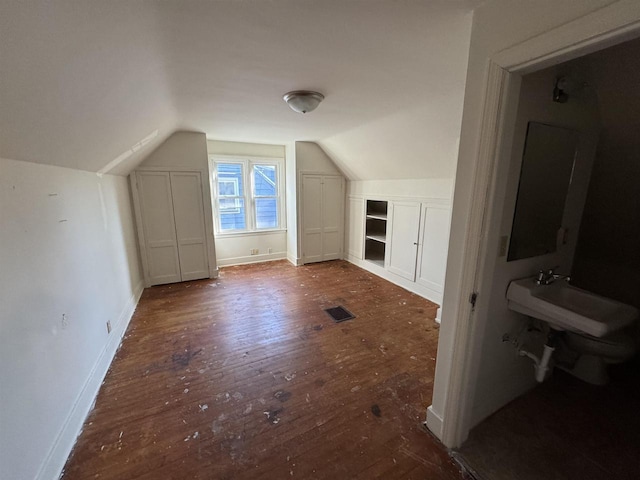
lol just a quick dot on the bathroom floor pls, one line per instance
(563, 429)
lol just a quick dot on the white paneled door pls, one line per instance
(332, 215)
(322, 217)
(172, 213)
(161, 245)
(432, 264)
(403, 242)
(190, 229)
(311, 218)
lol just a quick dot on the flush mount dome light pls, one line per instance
(303, 101)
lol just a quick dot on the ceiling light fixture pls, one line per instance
(303, 101)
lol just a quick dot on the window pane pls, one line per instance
(266, 213)
(228, 187)
(232, 215)
(230, 179)
(264, 180)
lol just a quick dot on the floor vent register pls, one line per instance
(339, 314)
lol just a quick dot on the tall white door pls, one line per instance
(172, 213)
(161, 245)
(322, 217)
(403, 244)
(186, 188)
(311, 218)
(332, 215)
(432, 264)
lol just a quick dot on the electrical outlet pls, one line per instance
(255, 251)
(108, 326)
(65, 321)
(269, 250)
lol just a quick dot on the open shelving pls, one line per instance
(376, 231)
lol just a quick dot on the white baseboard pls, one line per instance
(296, 262)
(413, 287)
(267, 257)
(434, 422)
(215, 272)
(54, 463)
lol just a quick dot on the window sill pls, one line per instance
(252, 233)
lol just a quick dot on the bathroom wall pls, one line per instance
(501, 375)
(607, 259)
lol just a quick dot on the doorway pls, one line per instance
(565, 427)
(469, 281)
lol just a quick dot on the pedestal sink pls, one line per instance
(566, 307)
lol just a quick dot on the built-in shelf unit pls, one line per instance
(376, 232)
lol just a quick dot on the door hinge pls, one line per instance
(472, 299)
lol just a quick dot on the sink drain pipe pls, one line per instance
(541, 365)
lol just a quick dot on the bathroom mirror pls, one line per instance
(547, 166)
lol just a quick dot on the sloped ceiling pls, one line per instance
(84, 81)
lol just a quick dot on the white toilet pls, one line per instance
(592, 355)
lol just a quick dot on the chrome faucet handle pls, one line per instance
(545, 277)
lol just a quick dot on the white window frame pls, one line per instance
(248, 192)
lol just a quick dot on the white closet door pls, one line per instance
(403, 244)
(432, 264)
(312, 218)
(332, 213)
(188, 209)
(161, 244)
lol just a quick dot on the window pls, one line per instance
(247, 194)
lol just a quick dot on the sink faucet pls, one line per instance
(547, 277)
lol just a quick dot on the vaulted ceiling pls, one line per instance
(82, 82)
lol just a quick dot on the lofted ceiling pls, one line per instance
(84, 82)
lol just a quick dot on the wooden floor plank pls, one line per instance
(246, 377)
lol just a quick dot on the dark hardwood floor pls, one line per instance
(246, 377)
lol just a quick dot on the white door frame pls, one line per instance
(605, 27)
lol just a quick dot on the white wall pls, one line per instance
(497, 25)
(441, 188)
(67, 248)
(219, 147)
(417, 137)
(181, 149)
(310, 157)
(291, 187)
(235, 249)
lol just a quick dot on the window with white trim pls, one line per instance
(247, 194)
